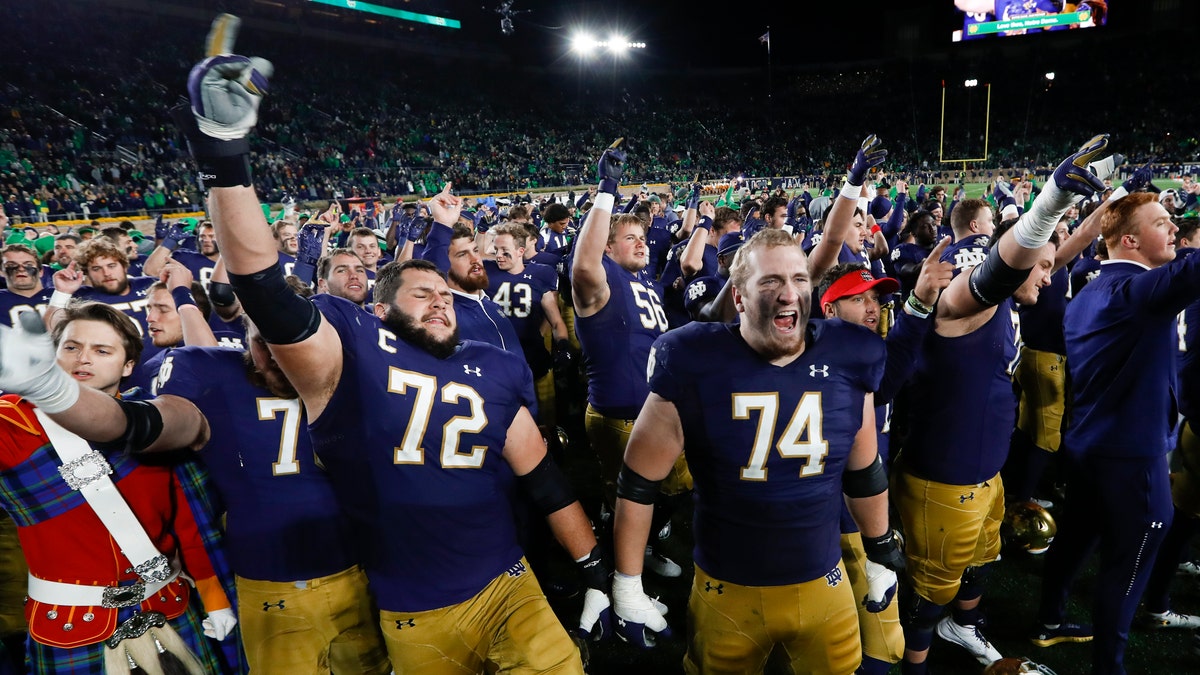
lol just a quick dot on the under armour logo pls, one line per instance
(962, 499)
(719, 588)
(526, 276)
(477, 372)
(833, 577)
(823, 371)
(401, 623)
(517, 569)
(268, 605)
(620, 622)
(1157, 525)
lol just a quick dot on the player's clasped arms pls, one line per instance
(355, 457)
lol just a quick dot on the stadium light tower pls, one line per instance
(1050, 76)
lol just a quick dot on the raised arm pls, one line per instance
(1008, 264)
(225, 91)
(589, 282)
(196, 331)
(840, 219)
(692, 259)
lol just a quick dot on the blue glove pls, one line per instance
(160, 228)
(225, 89)
(610, 167)
(173, 236)
(308, 251)
(870, 155)
(1073, 174)
(693, 201)
(308, 243)
(1142, 178)
(416, 229)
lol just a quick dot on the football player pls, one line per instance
(456, 431)
(778, 418)
(526, 295)
(24, 291)
(946, 481)
(302, 597)
(618, 315)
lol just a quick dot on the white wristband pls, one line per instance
(851, 191)
(603, 201)
(60, 300)
(1118, 193)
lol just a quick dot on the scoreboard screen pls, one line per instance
(984, 19)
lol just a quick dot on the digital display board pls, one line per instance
(984, 19)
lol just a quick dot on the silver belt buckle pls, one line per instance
(154, 570)
(87, 469)
(116, 597)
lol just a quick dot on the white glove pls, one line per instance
(881, 587)
(219, 623)
(225, 89)
(29, 367)
(638, 616)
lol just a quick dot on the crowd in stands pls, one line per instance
(76, 140)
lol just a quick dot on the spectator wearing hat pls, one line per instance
(849, 292)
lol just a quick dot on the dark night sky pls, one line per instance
(688, 34)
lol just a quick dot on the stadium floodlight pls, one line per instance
(584, 45)
(1050, 76)
(971, 83)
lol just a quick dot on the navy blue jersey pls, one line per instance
(658, 242)
(1042, 323)
(283, 523)
(231, 334)
(767, 445)
(287, 262)
(1122, 341)
(1084, 271)
(13, 304)
(482, 320)
(964, 408)
(616, 342)
(967, 252)
(199, 265)
(701, 291)
(905, 255)
(519, 297)
(673, 283)
(423, 480)
(550, 241)
(282, 520)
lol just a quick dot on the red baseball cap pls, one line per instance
(858, 281)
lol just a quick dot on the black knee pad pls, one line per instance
(974, 580)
